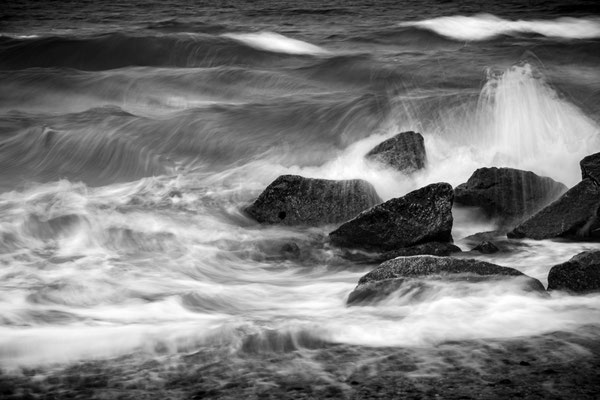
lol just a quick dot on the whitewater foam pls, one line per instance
(275, 42)
(487, 26)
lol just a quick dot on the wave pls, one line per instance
(487, 26)
(275, 42)
(119, 50)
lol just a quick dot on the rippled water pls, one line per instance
(129, 148)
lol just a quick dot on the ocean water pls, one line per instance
(133, 135)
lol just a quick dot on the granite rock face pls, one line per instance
(581, 274)
(590, 168)
(295, 200)
(393, 274)
(404, 152)
(508, 194)
(424, 215)
(574, 214)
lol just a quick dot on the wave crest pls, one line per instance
(487, 26)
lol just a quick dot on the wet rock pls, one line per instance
(498, 238)
(486, 247)
(290, 250)
(393, 274)
(404, 152)
(295, 200)
(424, 215)
(508, 194)
(581, 274)
(590, 168)
(573, 214)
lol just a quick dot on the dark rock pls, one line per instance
(393, 274)
(295, 200)
(581, 274)
(508, 194)
(486, 247)
(573, 214)
(290, 250)
(404, 152)
(498, 238)
(424, 215)
(590, 168)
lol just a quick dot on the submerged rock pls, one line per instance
(486, 247)
(295, 200)
(424, 215)
(404, 152)
(508, 194)
(590, 168)
(429, 248)
(392, 274)
(573, 214)
(581, 274)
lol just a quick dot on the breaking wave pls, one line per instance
(487, 26)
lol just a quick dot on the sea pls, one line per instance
(134, 133)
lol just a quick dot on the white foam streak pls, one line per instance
(275, 42)
(486, 26)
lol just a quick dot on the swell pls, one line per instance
(107, 145)
(118, 50)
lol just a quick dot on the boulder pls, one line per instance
(404, 152)
(590, 168)
(295, 200)
(424, 215)
(573, 214)
(508, 194)
(581, 274)
(393, 274)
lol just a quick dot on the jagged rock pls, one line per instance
(573, 214)
(393, 274)
(295, 200)
(498, 238)
(581, 274)
(424, 215)
(486, 247)
(404, 152)
(590, 168)
(508, 194)
(429, 248)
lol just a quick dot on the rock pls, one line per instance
(295, 200)
(498, 238)
(581, 274)
(290, 250)
(590, 168)
(404, 152)
(486, 247)
(508, 194)
(573, 214)
(424, 215)
(429, 248)
(393, 274)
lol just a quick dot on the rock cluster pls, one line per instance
(412, 235)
